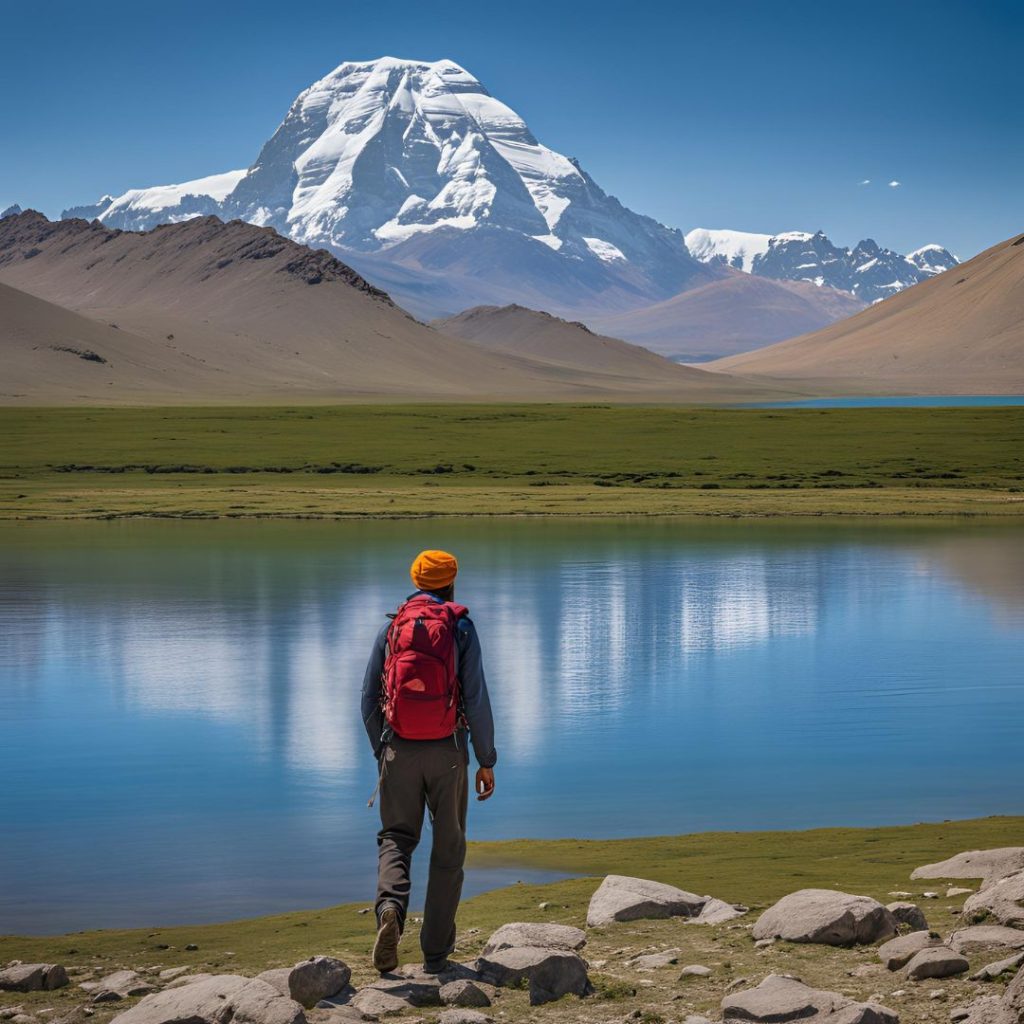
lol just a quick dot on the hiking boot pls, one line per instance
(437, 966)
(389, 932)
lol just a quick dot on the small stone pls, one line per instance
(937, 993)
(992, 971)
(762, 943)
(363, 910)
(909, 914)
(543, 905)
(461, 1016)
(173, 972)
(622, 898)
(191, 948)
(652, 961)
(22, 977)
(694, 971)
(930, 895)
(463, 993)
(318, 978)
(956, 890)
(738, 983)
(543, 936)
(898, 952)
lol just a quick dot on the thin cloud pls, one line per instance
(866, 181)
(895, 184)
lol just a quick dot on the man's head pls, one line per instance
(435, 571)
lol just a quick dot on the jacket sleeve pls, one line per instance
(475, 699)
(373, 717)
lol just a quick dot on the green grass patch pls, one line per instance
(360, 460)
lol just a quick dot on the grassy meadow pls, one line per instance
(372, 460)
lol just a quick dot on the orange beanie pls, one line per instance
(433, 570)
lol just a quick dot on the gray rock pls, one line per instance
(695, 971)
(986, 936)
(1013, 997)
(120, 985)
(463, 993)
(1003, 900)
(988, 865)
(549, 973)
(318, 978)
(936, 962)
(779, 999)
(278, 977)
(991, 971)
(216, 1000)
(392, 995)
(621, 898)
(33, 978)
(652, 961)
(828, 917)
(957, 890)
(898, 952)
(170, 973)
(987, 1010)
(545, 936)
(716, 911)
(909, 914)
(461, 1016)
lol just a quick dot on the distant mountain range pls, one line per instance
(434, 190)
(204, 311)
(959, 333)
(867, 270)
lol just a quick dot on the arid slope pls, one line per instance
(959, 333)
(233, 312)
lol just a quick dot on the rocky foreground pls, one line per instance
(650, 952)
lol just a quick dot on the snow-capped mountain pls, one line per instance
(11, 211)
(404, 166)
(867, 270)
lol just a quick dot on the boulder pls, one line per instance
(549, 973)
(992, 971)
(216, 1000)
(936, 962)
(979, 937)
(779, 999)
(1013, 997)
(716, 911)
(319, 977)
(828, 917)
(278, 977)
(987, 1010)
(463, 993)
(546, 936)
(898, 952)
(1003, 900)
(33, 978)
(988, 865)
(652, 961)
(620, 898)
(909, 914)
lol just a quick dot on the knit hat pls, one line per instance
(433, 570)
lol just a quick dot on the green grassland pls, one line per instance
(512, 459)
(753, 867)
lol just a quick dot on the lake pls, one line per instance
(893, 401)
(180, 737)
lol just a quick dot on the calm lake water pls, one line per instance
(179, 728)
(894, 401)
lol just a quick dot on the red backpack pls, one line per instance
(420, 682)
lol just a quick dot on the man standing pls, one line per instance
(424, 689)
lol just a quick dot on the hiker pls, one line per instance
(423, 690)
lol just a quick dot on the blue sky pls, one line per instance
(755, 116)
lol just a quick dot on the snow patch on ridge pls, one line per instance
(604, 250)
(736, 248)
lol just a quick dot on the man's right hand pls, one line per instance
(484, 783)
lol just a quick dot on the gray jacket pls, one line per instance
(475, 700)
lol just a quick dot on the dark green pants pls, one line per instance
(420, 775)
